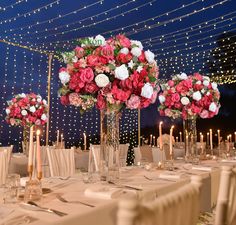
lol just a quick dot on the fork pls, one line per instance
(59, 197)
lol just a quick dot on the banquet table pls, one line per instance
(159, 182)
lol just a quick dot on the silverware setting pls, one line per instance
(126, 186)
(35, 207)
(59, 197)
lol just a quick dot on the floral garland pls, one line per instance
(189, 96)
(111, 74)
(27, 110)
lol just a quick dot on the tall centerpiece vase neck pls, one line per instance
(190, 139)
(109, 151)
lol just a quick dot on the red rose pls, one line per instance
(101, 103)
(64, 100)
(145, 102)
(124, 58)
(126, 84)
(86, 75)
(198, 76)
(63, 69)
(175, 97)
(142, 57)
(91, 88)
(124, 41)
(93, 60)
(119, 94)
(171, 83)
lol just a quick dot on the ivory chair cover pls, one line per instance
(180, 207)
(158, 155)
(143, 154)
(5, 157)
(123, 148)
(61, 162)
(226, 204)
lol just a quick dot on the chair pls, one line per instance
(157, 155)
(5, 157)
(226, 204)
(180, 207)
(166, 149)
(61, 162)
(143, 154)
(123, 148)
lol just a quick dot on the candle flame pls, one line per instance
(172, 127)
(161, 123)
(38, 132)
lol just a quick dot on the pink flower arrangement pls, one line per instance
(189, 96)
(27, 110)
(111, 74)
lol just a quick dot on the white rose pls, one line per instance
(161, 98)
(24, 112)
(182, 76)
(137, 43)
(147, 90)
(102, 80)
(121, 72)
(39, 99)
(44, 117)
(139, 69)
(131, 64)
(22, 95)
(64, 77)
(206, 83)
(44, 102)
(32, 109)
(100, 40)
(214, 86)
(197, 96)
(75, 59)
(184, 100)
(136, 51)
(212, 107)
(208, 93)
(124, 51)
(206, 78)
(149, 56)
(198, 82)
(8, 111)
(203, 91)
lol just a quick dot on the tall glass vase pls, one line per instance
(109, 150)
(190, 139)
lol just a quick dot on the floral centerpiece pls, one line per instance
(26, 110)
(189, 97)
(110, 74)
(185, 96)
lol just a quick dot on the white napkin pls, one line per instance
(229, 160)
(103, 192)
(170, 176)
(23, 181)
(203, 168)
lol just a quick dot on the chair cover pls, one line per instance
(158, 155)
(123, 148)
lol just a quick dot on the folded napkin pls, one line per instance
(23, 181)
(170, 176)
(203, 168)
(229, 160)
(103, 192)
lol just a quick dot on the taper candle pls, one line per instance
(160, 135)
(180, 137)
(61, 140)
(218, 134)
(31, 150)
(39, 162)
(171, 141)
(150, 140)
(58, 135)
(211, 142)
(85, 142)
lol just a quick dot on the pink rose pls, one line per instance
(175, 97)
(38, 122)
(86, 75)
(171, 83)
(187, 83)
(75, 99)
(124, 41)
(204, 114)
(168, 112)
(133, 102)
(79, 52)
(120, 94)
(107, 52)
(198, 76)
(101, 103)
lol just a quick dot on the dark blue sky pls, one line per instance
(182, 34)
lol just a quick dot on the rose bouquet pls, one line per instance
(26, 110)
(111, 74)
(189, 96)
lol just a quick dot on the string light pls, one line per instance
(32, 12)
(12, 5)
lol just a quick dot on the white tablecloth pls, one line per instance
(105, 210)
